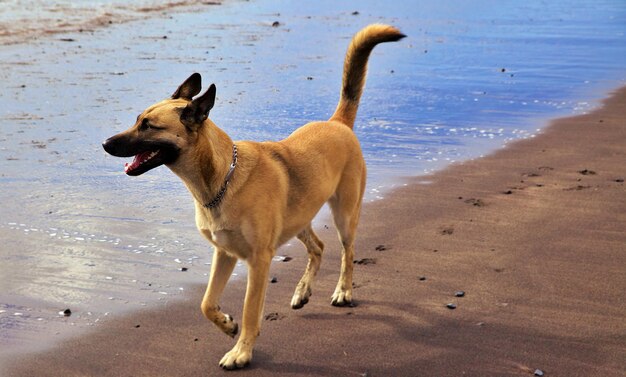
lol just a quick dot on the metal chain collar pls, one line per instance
(220, 195)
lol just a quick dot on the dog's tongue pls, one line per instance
(137, 161)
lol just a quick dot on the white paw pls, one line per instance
(341, 298)
(300, 297)
(236, 358)
(228, 326)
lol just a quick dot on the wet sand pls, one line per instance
(533, 234)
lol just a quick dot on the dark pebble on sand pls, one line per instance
(381, 248)
(619, 180)
(309, 78)
(67, 312)
(538, 372)
(275, 24)
(365, 261)
(67, 39)
(355, 13)
(503, 70)
(285, 259)
(137, 326)
(274, 280)
(475, 202)
(451, 306)
(422, 278)
(274, 316)
(508, 192)
(459, 294)
(183, 269)
(587, 172)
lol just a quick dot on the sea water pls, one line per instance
(77, 233)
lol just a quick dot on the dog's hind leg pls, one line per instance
(221, 270)
(346, 208)
(315, 247)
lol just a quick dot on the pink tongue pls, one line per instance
(138, 158)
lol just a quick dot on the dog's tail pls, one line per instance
(355, 68)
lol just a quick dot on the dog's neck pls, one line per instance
(205, 165)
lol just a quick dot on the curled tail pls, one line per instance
(355, 68)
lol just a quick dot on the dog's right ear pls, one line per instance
(195, 113)
(188, 89)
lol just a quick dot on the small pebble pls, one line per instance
(137, 326)
(451, 306)
(274, 316)
(422, 278)
(66, 313)
(183, 269)
(459, 294)
(355, 13)
(275, 24)
(274, 280)
(309, 78)
(587, 172)
(538, 372)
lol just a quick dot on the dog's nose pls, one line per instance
(108, 146)
(114, 146)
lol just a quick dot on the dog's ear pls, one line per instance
(188, 89)
(197, 111)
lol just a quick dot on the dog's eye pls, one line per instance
(144, 125)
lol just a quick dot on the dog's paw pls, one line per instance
(300, 298)
(228, 326)
(341, 298)
(236, 358)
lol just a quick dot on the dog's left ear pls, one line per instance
(197, 111)
(189, 88)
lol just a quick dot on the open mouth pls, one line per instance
(148, 154)
(143, 162)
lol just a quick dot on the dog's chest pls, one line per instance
(229, 240)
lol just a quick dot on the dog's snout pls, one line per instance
(109, 146)
(118, 146)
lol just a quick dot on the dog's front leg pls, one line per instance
(221, 270)
(258, 272)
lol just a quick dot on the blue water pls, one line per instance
(471, 77)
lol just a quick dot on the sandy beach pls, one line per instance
(532, 234)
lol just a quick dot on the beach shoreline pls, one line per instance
(533, 234)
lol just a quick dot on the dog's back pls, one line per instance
(318, 156)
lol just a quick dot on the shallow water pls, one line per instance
(78, 233)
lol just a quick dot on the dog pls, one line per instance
(251, 197)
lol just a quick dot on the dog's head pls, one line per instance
(164, 129)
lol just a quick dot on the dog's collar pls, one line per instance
(220, 195)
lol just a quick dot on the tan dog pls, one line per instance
(252, 197)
